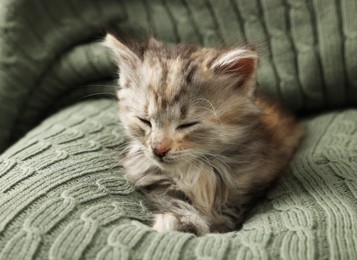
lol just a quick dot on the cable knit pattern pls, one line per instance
(62, 196)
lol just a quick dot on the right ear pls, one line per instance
(127, 60)
(238, 66)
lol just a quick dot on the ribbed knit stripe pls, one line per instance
(331, 50)
(277, 24)
(257, 34)
(349, 22)
(303, 37)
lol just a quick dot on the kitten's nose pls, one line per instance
(161, 150)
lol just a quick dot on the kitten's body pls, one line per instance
(202, 144)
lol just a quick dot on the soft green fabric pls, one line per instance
(62, 197)
(61, 191)
(49, 50)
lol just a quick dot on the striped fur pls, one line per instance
(225, 143)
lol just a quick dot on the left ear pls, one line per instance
(237, 66)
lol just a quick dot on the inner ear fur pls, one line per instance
(238, 65)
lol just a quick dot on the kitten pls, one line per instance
(203, 145)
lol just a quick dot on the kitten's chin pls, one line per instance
(165, 163)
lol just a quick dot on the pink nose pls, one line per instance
(161, 150)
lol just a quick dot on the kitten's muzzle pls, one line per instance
(160, 151)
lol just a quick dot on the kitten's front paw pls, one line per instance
(165, 222)
(170, 222)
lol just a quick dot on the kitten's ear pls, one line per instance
(127, 59)
(239, 66)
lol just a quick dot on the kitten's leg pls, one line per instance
(180, 216)
(232, 215)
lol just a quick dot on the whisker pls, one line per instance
(98, 94)
(213, 110)
(95, 85)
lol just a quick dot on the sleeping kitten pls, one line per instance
(202, 144)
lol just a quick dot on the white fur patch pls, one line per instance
(165, 222)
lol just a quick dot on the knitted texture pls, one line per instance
(49, 50)
(62, 196)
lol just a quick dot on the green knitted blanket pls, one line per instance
(62, 197)
(61, 191)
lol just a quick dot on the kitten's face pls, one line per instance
(183, 104)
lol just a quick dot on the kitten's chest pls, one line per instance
(199, 184)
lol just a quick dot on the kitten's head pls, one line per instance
(183, 104)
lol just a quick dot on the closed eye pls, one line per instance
(145, 121)
(188, 125)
